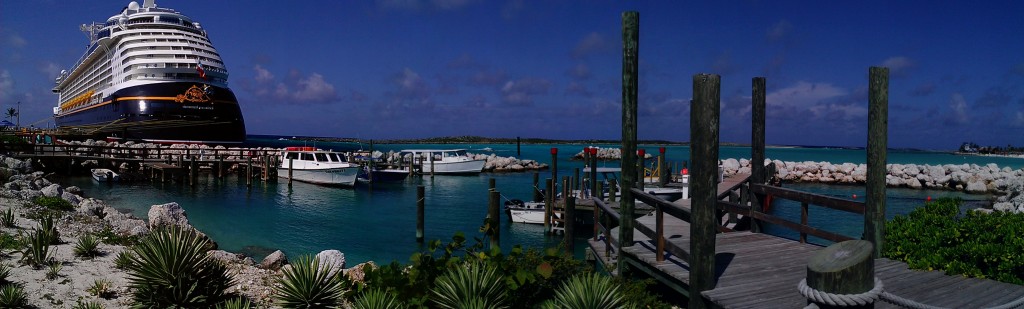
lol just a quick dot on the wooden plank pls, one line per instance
(810, 198)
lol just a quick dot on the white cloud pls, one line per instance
(592, 43)
(16, 40)
(262, 75)
(899, 66)
(958, 109)
(50, 69)
(314, 89)
(804, 94)
(6, 86)
(522, 91)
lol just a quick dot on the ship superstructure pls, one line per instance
(152, 74)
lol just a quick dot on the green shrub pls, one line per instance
(377, 299)
(308, 285)
(587, 291)
(170, 268)
(123, 260)
(87, 246)
(53, 269)
(235, 303)
(9, 242)
(54, 203)
(108, 236)
(13, 296)
(472, 285)
(49, 228)
(36, 249)
(975, 244)
(7, 218)
(101, 288)
(87, 305)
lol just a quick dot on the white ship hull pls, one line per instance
(462, 167)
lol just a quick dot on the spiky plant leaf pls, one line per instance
(377, 299)
(36, 249)
(123, 260)
(588, 291)
(235, 303)
(7, 218)
(12, 296)
(307, 284)
(170, 268)
(87, 246)
(472, 284)
(87, 305)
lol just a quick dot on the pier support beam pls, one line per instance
(878, 123)
(494, 219)
(549, 200)
(569, 222)
(420, 203)
(630, 82)
(757, 131)
(704, 129)
(537, 196)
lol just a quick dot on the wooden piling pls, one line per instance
(878, 119)
(641, 175)
(248, 171)
(290, 168)
(594, 189)
(630, 82)
(549, 199)
(842, 268)
(663, 172)
(757, 146)
(519, 150)
(569, 224)
(220, 166)
(704, 130)
(420, 202)
(554, 165)
(536, 187)
(494, 219)
(192, 173)
(575, 180)
(491, 184)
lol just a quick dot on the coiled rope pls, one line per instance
(877, 292)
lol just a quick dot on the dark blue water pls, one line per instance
(379, 224)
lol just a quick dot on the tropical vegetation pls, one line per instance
(170, 268)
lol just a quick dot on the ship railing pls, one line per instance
(146, 152)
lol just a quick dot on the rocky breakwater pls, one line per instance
(135, 150)
(969, 178)
(92, 216)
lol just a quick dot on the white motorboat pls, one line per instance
(445, 161)
(323, 167)
(529, 212)
(670, 193)
(104, 175)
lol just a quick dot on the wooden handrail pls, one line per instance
(658, 203)
(811, 198)
(805, 199)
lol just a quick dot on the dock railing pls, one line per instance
(605, 219)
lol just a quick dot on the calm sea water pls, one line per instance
(379, 224)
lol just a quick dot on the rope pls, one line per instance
(877, 292)
(841, 300)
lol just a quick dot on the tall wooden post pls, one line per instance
(575, 180)
(220, 167)
(192, 171)
(554, 165)
(291, 161)
(704, 129)
(663, 172)
(549, 199)
(757, 131)
(630, 82)
(248, 171)
(570, 230)
(536, 187)
(491, 184)
(594, 190)
(494, 219)
(878, 122)
(420, 202)
(641, 156)
(519, 150)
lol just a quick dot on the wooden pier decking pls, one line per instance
(755, 270)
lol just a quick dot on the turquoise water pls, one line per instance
(379, 224)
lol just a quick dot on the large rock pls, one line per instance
(332, 260)
(71, 198)
(74, 190)
(274, 261)
(91, 206)
(52, 190)
(227, 258)
(976, 186)
(170, 214)
(124, 224)
(358, 272)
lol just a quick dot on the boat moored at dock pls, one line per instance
(323, 167)
(445, 161)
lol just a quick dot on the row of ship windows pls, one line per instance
(135, 49)
(193, 57)
(82, 85)
(197, 39)
(177, 76)
(172, 66)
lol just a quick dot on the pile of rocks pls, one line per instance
(970, 178)
(494, 162)
(607, 154)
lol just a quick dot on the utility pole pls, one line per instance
(19, 114)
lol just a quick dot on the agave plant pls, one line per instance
(308, 285)
(87, 246)
(591, 291)
(123, 259)
(101, 288)
(235, 303)
(87, 305)
(12, 296)
(377, 299)
(7, 218)
(53, 269)
(470, 286)
(170, 268)
(36, 249)
(5, 271)
(46, 224)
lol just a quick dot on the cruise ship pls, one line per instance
(149, 74)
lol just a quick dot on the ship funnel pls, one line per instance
(149, 4)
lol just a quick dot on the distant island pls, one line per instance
(467, 139)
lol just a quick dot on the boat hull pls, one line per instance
(384, 175)
(345, 176)
(169, 112)
(468, 167)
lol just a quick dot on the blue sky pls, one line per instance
(552, 69)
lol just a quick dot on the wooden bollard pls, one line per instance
(290, 168)
(494, 219)
(568, 220)
(549, 199)
(420, 202)
(842, 268)
(536, 187)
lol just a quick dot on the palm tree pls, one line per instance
(11, 113)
